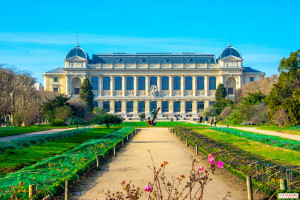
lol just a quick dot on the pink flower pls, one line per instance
(148, 188)
(210, 155)
(201, 168)
(211, 160)
(220, 164)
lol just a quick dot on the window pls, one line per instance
(76, 90)
(142, 106)
(212, 83)
(188, 106)
(141, 83)
(200, 83)
(55, 79)
(118, 83)
(176, 106)
(230, 91)
(165, 83)
(176, 85)
(55, 89)
(118, 106)
(129, 83)
(153, 81)
(106, 83)
(129, 106)
(106, 106)
(212, 103)
(94, 82)
(188, 83)
(153, 105)
(95, 104)
(251, 79)
(165, 106)
(200, 105)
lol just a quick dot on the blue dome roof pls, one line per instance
(77, 51)
(230, 51)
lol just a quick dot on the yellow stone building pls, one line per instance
(128, 84)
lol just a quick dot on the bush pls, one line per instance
(142, 116)
(107, 119)
(226, 112)
(57, 122)
(281, 118)
(89, 116)
(63, 112)
(75, 121)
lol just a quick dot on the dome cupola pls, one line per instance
(230, 51)
(77, 51)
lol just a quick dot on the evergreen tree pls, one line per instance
(221, 101)
(86, 93)
(285, 94)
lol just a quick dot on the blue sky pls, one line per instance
(36, 35)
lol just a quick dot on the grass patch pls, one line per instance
(17, 130)
(13, 160)
(277, 154)
(289, 130)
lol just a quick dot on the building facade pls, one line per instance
(128, 84)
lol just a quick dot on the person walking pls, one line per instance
(215, 120)
(206, 120)
(211, 121)
(200, 119)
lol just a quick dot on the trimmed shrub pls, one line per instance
(57, 122)
(75, 121)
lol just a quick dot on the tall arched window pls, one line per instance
(165, 106)
(129, 106)
(106, 106)
(176, 84)
(200, 83)
(188, 83)
(200, 105)
(141, 83)
(118, 106)
(165, 83)
(118, 83)
(142, 106)
(153, 105)
(95, 103)
(212, 83)
(106, 83)
(94, 82)
(153, 81)
(177, 106)
(212, 103)
(188, 106)
(129, 83)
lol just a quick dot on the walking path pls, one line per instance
(131, 163)
(265, 132)
(25, 135)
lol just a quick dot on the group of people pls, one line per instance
(212, 120)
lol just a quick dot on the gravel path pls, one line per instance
(13, 137)
(131, 163)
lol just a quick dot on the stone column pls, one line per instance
(124, 107)
(135, 108)
(206, 85)
(100, 85)
(112, 106)
(147, 85)
(171, 107)
(195, 109)
(182, 85)
(182, 108)
(194, 86)
(171, 85)
(158, 83)
(112, 85)
(67, 85)
(135, 85)
(221, 80)
(240, 82)
(159, 106)
(123, 85)
(147, 107)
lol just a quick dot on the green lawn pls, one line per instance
(277, 154)
(13, 160)
(17, 130)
